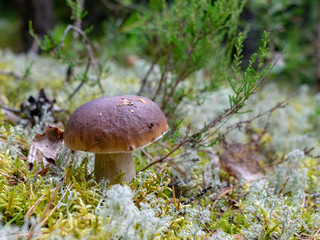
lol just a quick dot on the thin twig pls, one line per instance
(175, 105)
(82, 82)
(179, 156)
(144, 80)
(255, 89)
(199, 194)
(147, 154)
(178, 169)
(46, 209)
(54, 209)
(88, 47)
(181, 74)
(133, 6)
(14, 110)
(281, 160)
(227, 113)
(163, 76)
(43, 220)
(313, 195)
(163, 167)
(307, 152)
(174, 196)
(282, 187)
(221, 195)
(50, 202)
(31, 209)
(11, 176)
(261, 234)
(281, 104)
(13, 74)
(205, 227)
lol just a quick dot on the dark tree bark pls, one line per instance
(42, 16)
(41, 13)
(318, 49)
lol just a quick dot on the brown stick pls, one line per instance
(54, 209)
(43, 220)
(50, 202)
(221, 195)
(88, 47)
(31, 210)
(193, 136)
(82, 82)
(318, 48)
(282, 187)
(228, 113)
(144, 80)
(181, 74)
(174, 197)
(163, 76)
(281, 104)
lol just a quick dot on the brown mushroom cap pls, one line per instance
(115, 124)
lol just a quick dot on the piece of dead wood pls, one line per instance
(32, 110)
(37, 107)
(10, 116)
(12, 179)
(198, 195)
(240, 161)
(45, 147)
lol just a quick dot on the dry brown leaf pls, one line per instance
(45, 147)
(240, 161)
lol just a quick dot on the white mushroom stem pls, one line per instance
(108, 165)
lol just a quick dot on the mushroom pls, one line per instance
(112, 128)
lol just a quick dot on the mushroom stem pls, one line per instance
(108, 165)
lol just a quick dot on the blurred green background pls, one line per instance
(293, 26)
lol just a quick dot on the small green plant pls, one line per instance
(72, 51)
(247, 83)
(185, 41)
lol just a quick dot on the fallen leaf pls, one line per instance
(11, 117)
(45, 147)
(240, 161)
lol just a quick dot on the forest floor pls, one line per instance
(261, 181)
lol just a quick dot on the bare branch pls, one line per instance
(181, 75)
(198, 195)
(144, 80)
(13, 110)
(82, 82)
(88, 47)
(222, 118)
(281, 104)
(226, 114)
(163, 76)
(12, 74)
